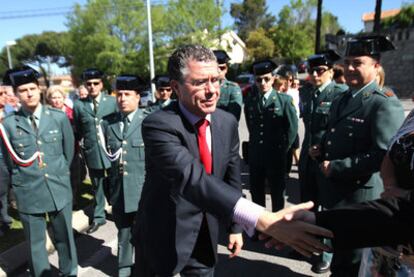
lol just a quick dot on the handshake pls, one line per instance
(293, 226)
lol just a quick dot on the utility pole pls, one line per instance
(318, 27)
(151, 54)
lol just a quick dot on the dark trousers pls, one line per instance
(124, 222)
(34, 226)
(98, 181)
(308, 178)
(275, 175)
(346, 263)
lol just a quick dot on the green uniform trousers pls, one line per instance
(34, 226)
(98, 181)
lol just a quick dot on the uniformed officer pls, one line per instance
(272, 123)
(231, 99)
(87, 116)
(125, 148)
(38, 145)
(162, 94)
(316, 103)
(361, 123)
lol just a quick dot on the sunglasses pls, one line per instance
(93, 83)
(266, 79)
(319, 70)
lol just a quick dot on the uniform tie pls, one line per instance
(33, 123)
(126, 125)
(205, 155)
(95, 105)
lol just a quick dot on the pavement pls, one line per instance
(97, 252)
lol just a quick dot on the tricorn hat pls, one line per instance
(129, 82)
(263, 67)
(327, 58)
(20, 76)
(221, 56)
(161, 81)
(92, 73)
(368, 46)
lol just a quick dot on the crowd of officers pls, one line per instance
(347, 129)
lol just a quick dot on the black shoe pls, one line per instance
(94, 227)
(321, 267)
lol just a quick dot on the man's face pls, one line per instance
(164, 93)
(128, 100)
(359, 71)
(3, 96)
(264, 82)
(56, 100)
(222, 70)
(29, 95)
(94, 87)
(319, 75)
(200, 88)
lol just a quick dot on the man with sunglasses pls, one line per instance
(38, 147)
(361, 122)
(316, 102)
(87, 116)
(272, 123)
(163, 93)
(125, 149)
(231, 99)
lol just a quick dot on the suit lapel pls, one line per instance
(87, 106)
(116, 128)
(22, 123)
(189, 132)
(44, 118)
(216, 141)
(136, 120)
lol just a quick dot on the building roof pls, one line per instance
(384, 14)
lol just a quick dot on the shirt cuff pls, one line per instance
(246, 214)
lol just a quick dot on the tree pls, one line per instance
(251, 15)
(41, 50)
(112, 34)
(404, 19)
(259, 45)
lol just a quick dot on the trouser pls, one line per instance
(346, 263)
(4, 191)
(308, 180)
(98, 181)
(276, 178)
(75, 176)
(124, 222)
(34, 226)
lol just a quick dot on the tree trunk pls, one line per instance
(377, 18)
(318, 27)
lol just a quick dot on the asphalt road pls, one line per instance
(97, 252)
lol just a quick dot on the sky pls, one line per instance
(349, 13)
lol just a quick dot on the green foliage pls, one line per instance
(404, 19)
(251, 15)
(259, 45)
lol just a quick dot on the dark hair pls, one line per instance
(178, 61)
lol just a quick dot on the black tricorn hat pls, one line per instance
(221, 56)
(92, 73)
(328, 58)
(129, 82)
(368, 46)
(161, 81)
(20, 76)
(263, 67)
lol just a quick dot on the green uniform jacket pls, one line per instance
(315, 115)
(272, 128)
(126, 186)
(157, 106)
(231, 99)
(41, 189)
(356, 142)
(86, 125)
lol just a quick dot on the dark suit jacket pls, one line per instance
(177, 190)
(374, 223)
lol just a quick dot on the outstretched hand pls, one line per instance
(293, 226)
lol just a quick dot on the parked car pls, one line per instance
(245, 81)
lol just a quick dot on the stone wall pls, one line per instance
(399, 64)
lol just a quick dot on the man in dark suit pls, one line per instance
(38, 147)
(193, 179)
(87, 116)
(361, 123)
(125, 149)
